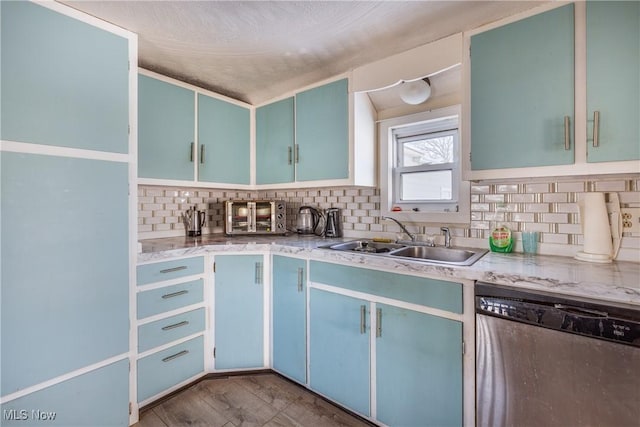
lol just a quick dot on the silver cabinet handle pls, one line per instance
(378, 322)
(567, 133)
(363, 319)
(289, 155)
(297, 153)
(201, 154)
(258, 273)
(175, 294)
(171, 270)
(175, 325)
(596, 128)
(191, 152)
(300, 278)
(175, 356)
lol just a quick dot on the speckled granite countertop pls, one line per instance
(617, 282)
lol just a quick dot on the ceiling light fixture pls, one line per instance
(415, 92)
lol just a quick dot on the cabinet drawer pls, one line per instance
(169, 298)
(170, 329)
(159, 371)
(417, 290)
(160, 271)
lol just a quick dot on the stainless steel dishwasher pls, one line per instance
(545, 361)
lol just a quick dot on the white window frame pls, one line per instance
(430, 211)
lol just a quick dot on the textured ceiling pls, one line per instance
(257, 50)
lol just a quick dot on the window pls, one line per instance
(422, 156)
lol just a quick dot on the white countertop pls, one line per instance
(618, 282)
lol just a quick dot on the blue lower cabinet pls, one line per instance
(169, 298)
(164, 369)
(96, 398)
(169, 329)
(239, 311)
(339, 356)
(418, 368)
(289, 317)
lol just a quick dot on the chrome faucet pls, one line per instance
(411, 236)
(447, 236)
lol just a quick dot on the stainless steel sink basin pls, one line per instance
(433, 254)
(440, 254)
(368, 246)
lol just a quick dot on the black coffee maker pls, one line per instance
(333, 227)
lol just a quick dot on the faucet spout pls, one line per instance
(411, 236)
(447, 236)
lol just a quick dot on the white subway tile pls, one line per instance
(352, 192)
(153, 220)
(536, 207)
(359, 212)
(536, 226)
(557, 218)
(555, 197)
(610, 185)
(145, 228)
(522, 217)
(480, 189)
(569, 229)
(480, 225)
(480, 207)
(570, 187)
(494, 198)
(151, 206)
(161, 227)
(521, 198)
(506, 188)
(537, 188)
(561, 239)
(361, 227)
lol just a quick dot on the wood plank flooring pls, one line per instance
(248, 400)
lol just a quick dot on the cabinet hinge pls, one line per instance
(130, 408)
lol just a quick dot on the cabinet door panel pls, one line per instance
(65, 292)
(166, 121)
(613, 79)
(419, 369)
(239, 334)
(159, 371)
(224, 141)
(339, 349)
(64, 82)
(97, 398)
(322, 132)
(289, 317)
(522, 87)
(274, 142)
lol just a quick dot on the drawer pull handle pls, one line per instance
(175, 356)
(378, 322)
(363, 319)
(191, 155)
(202, 154)
(175, 325)
(290, 155)
(174, 294)
(171, 270)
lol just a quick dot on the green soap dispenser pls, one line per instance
(501, 239)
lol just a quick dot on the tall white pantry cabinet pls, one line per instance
(67, 158)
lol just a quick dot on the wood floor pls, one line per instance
(249, 400)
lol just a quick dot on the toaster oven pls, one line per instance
(255, 217)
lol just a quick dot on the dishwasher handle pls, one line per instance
(582, 312)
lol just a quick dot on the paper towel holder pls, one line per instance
(601, 224)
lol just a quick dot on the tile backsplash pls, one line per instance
(547, 206)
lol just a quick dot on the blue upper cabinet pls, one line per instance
(322, 132)
(522, 93)
(224, 141)
(166, 123)
(275, 142)
(56, 92)
(613, 80)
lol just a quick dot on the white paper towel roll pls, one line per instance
(596, 230)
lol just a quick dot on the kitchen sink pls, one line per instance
(368, 246)
(415, 252)
(439, 254)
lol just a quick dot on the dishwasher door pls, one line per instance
(531, 375)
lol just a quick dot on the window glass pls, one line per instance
(424, 186)
(427, 151)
